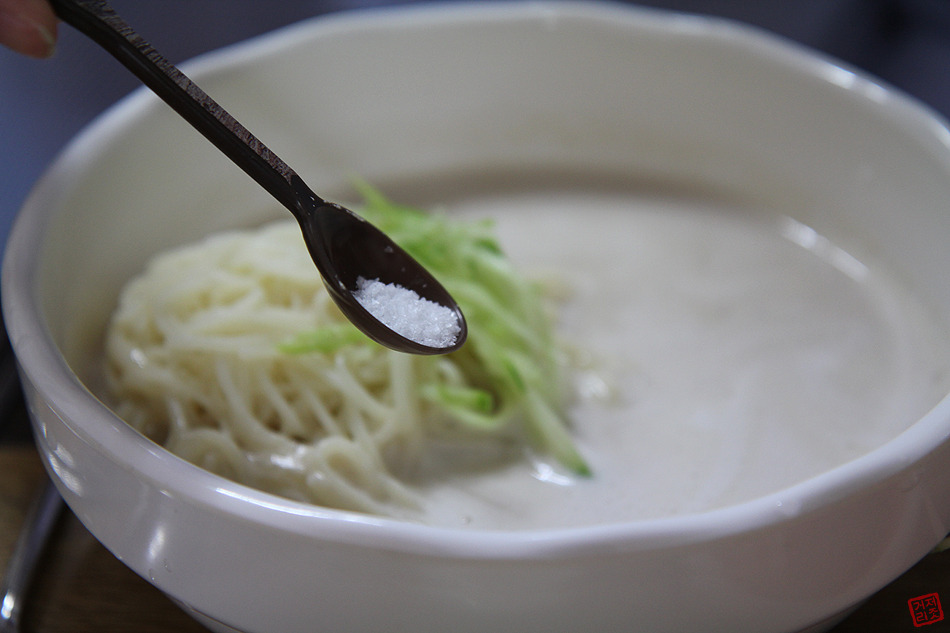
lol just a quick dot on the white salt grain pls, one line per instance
(408, 314)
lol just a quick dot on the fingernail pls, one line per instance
(48, 38)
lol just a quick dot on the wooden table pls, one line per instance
(82, 588)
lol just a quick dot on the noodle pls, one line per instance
(194, 362)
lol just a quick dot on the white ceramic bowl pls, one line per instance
(408, 95)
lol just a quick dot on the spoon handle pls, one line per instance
(97, 20)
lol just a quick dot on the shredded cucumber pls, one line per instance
(511, 362)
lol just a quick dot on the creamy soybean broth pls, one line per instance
(743, 353)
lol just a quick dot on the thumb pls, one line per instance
(28, 27)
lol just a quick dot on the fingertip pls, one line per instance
(30, 30)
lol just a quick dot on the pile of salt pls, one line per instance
(408, 314)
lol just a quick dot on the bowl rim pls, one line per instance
(41, 363)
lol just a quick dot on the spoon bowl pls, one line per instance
(343, 246)
(348, 248)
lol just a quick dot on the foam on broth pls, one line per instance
(745, 353)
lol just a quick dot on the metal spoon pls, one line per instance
(343, 246)
(40, 521)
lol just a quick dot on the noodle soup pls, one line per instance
(720, 355)
(576, 87)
